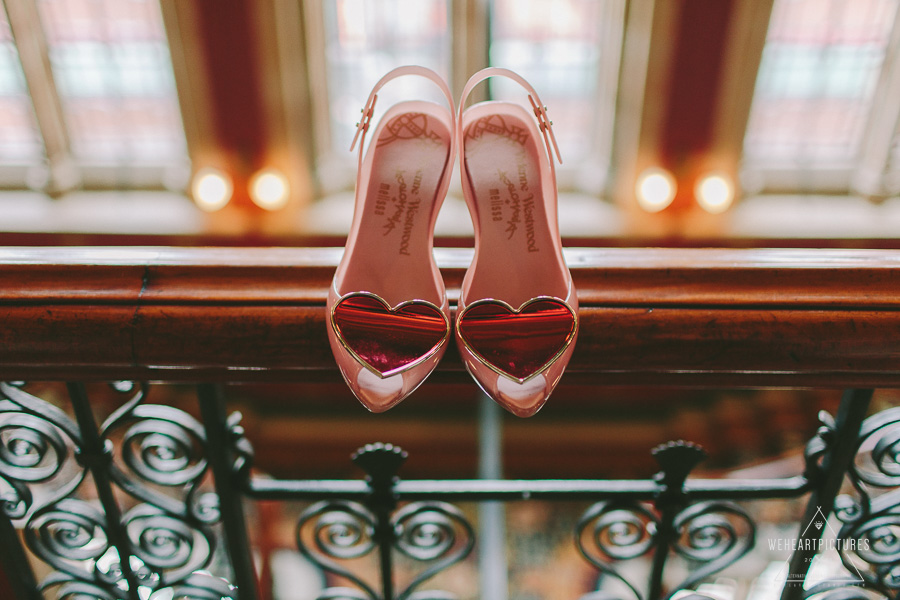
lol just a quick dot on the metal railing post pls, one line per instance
(220, 457)
(14, 563)
(382, 462)
(96, 456)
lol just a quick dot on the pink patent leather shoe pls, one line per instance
(517, 317)
(388, 315)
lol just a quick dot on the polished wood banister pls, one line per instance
(706, 317)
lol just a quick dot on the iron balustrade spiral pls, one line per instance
(610, 533)
(710, 535)
(111, 548)
(433, 532)
(436, 534)
(340, 530)
(37, 442)
(868, 541)
(714, 535)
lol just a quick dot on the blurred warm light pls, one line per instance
(269, 189)
(715, 192)
(655, 189)
(211, 189)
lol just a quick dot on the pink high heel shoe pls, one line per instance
(517, 317)
(388, 315)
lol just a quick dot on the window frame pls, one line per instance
(61, 171)
(868, 174)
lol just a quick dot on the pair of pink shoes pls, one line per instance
(517, 319)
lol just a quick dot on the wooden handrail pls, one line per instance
(699, 317)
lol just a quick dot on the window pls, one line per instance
(365, 40)
(569, 51)
(108, 101)
(819, 75)
(114, 75)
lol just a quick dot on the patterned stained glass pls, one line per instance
(111, 63)
(816, 82)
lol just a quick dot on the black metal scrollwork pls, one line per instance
(611, 532)
(37, 462)
(709, 535)
(157, 459)
(868, 541)
(878, 462)
(714, 535)
(163, 448)
(67, 532)
(342, 531)
(435, 533)
(241, 448)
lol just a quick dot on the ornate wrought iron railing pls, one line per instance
(151, 502)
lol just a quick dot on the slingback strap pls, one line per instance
(540, 110)
(369, 109)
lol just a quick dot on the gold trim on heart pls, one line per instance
(517, 343)
(388, 340)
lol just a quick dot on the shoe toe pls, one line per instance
(522, 399)
(376, 393)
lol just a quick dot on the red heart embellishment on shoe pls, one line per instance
(517, 343)
(389, 340)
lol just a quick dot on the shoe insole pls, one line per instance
(517, 256)
(391, 255)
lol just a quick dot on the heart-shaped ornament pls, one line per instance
(518, 343)
(389, 340)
